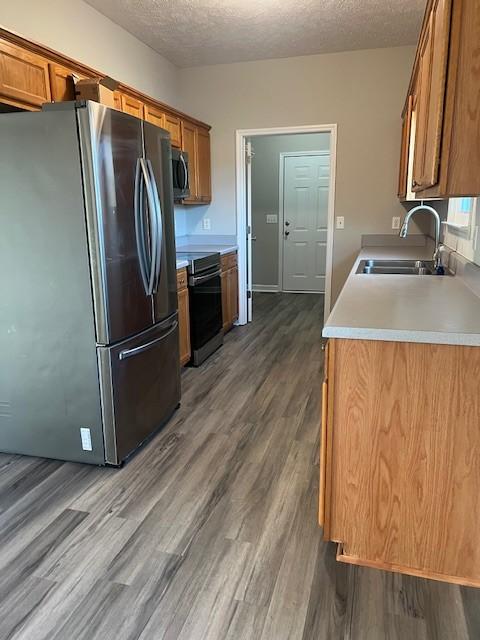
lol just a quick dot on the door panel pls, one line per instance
(306, 195)
(158, 151)
(140, 387)
(111, 145)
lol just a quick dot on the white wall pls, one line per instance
(362, 91)
(265, 196)
(75, 29)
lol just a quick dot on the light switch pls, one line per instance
(340, 222)
(206, 224)
(272, 218)
(396, 222)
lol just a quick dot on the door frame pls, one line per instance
(281, 216)
(244, 238)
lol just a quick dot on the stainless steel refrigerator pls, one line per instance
(89, 355)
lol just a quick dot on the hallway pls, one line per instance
(210, 531)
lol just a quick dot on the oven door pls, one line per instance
(205, 308)
(181, 187)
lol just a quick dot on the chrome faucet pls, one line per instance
(404, 229)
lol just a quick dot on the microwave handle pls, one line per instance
(185, 172)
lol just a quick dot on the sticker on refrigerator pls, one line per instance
(86, 439)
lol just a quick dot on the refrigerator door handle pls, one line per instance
(153, 216)
(140, 226)
(129, 353)
(159, 225)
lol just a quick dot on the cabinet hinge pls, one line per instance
(249, 294)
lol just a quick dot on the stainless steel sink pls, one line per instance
(400, 267)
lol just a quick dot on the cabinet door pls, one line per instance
(233, 294)
(225, 300)
(62, 85)
(204, 166)
(189, 145)
(24, 79)
(155, 116)
(132, 106)
(172, 124)
(117, 98)
(405, 150)
(432, 84)
(184, 326)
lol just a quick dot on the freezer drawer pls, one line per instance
(140, 384)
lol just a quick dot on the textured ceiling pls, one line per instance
(199, 32)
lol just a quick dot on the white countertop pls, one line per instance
(222, 249)
(182, 263)
(427, 309)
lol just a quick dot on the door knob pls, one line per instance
(287, 223)
(287, 233)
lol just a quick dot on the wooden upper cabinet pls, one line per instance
(155, 116)
(406, 129)
(189, 145)
(442, 154)
(204, 165)
(172, 124)
(132, 106)
(117, 99)
(24, 78)
(431, 96)
(62, 85)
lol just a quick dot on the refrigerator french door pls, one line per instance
(88, 316)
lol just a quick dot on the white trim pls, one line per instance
(281, 211)
(240, 201)
(266, 288)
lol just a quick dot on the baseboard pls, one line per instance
(265, 288)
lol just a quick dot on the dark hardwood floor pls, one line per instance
(211, 530)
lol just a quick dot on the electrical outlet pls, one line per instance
(272, 218)
(206, 224)
(396, 222)
(340, 222)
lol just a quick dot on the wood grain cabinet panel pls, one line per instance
(117, 99)
(190, 146)
(24, 77)
(229, 277)
(62, 84)
(403, 473)
(172, 124)
(154, 116)
(132, 106)
(204, 171)
(183, 317)
(432, 83)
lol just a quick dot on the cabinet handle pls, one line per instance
(323, 456)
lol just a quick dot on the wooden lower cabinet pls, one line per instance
(229, 277)
(183, 317)
(400, 461)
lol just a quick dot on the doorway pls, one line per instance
(285, 212)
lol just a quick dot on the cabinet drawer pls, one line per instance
(181, 279)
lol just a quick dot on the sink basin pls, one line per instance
(398, 267)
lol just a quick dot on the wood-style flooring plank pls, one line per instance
(210, 531)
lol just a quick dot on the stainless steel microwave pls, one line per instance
(181, 186)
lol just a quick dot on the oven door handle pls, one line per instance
(198, 279)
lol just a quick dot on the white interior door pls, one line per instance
(306, 181)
